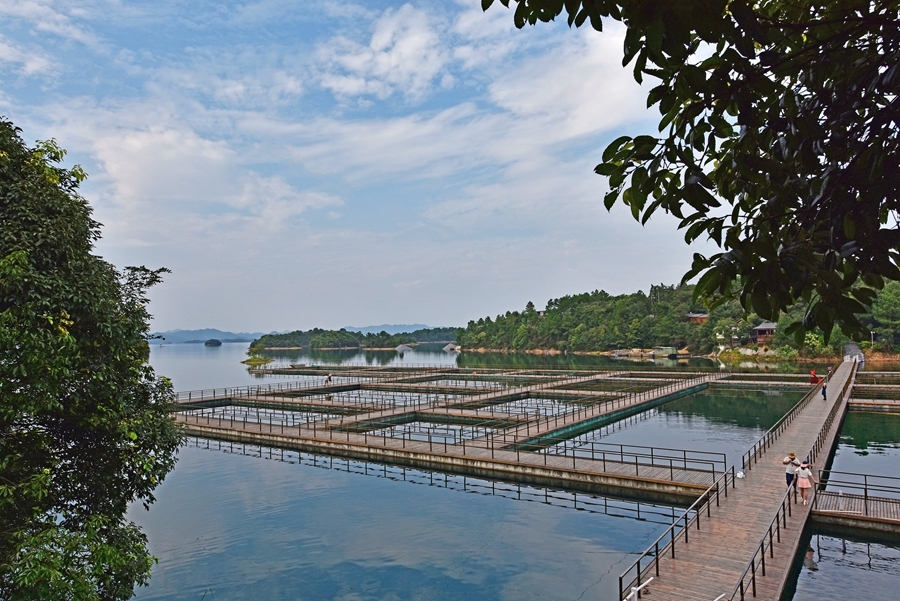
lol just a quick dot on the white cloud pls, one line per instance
(580, 86)
(31, 62)
(404, 54)
(223, 161)
(486, 39)
(45, 16)
(218, 79)
(197, 176)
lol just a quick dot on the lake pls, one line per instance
(248, 527)
(237, 522)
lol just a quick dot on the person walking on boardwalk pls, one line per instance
(805, 480)
(824, 391)
(791, 464)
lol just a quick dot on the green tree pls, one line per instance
(784, 112)
(886, 312)
(85, 426)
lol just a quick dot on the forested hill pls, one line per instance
(319, 338)
(598, 321)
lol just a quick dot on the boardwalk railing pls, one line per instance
(757, 562)
(634, 457)
(866, 484)
(679, 530)
(356, 376)
(359, 376)
(759, 448)
(539, 433)
(773, 534)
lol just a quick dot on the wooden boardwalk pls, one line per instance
(714, 560)
(875, 405)
(506, 444)
(735, 519)
(856, 505)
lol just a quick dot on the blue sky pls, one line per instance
(302, 164)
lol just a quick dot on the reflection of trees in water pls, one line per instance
(864, 430)
(423, 354)
(743, 407)
(613, 506)
(527, 360)
(859, 554)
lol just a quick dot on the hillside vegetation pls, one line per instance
(599, 321)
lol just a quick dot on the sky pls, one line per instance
(321, 164)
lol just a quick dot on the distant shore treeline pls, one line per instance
(598, 321)
(319, 338)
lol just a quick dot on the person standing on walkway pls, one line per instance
(791, 464)
(824, 391)
(805, 480)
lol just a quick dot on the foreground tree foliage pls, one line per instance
(85, 426)
(780, 126)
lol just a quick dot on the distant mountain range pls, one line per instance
(390, 328)
(188, 336)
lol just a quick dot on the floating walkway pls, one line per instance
(736, 540)
(743, 546)
(858, 502)
(513, 424)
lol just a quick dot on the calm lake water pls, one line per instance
(245, 524)
(836, 567)
(196, 366)
(716, 420)
(241, 527)
(869, 444)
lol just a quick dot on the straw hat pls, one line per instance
(792, 455)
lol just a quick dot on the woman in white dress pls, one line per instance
(805, 480)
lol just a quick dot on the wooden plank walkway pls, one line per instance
(507, 444)
(855, 505)
(712, 563)
(558, 424)
(876, 405)
(567, 467)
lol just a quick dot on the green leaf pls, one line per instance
(614, 147)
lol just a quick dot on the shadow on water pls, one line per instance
(251, 526)
(591, 503)
(835, 565)
(869, 443)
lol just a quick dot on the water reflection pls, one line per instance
(623, 508)
(869, 444)
(837, 567)
(715, 420)
(195, 366)
(251, 528)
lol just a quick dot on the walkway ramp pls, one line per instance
(760, 515)
(852, 501)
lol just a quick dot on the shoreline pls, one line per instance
(345, 348)
(730, 357)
